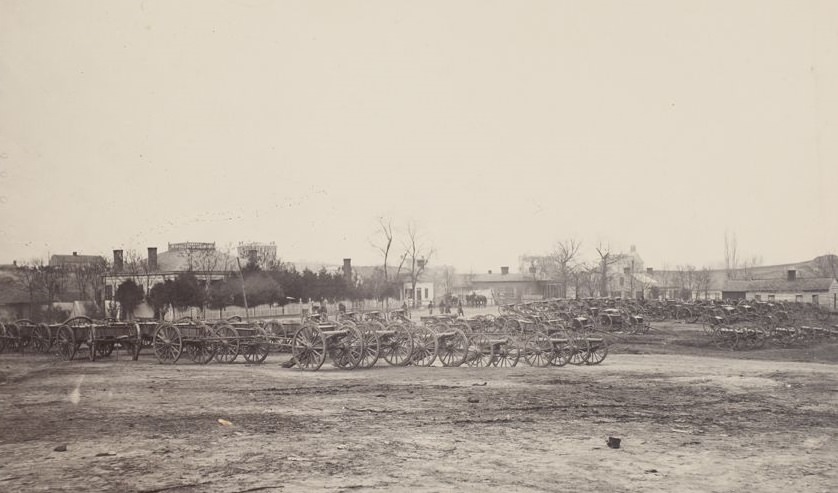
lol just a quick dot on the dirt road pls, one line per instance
(687, 423)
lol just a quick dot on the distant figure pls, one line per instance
(406, 309)
(431, 307)
(460, 312)
(341, 308)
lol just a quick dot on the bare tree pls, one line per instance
(731, 259)
(31, 280)
(606, 259)
(384, 245)
(418, 255)
(702, 282)
(563, 256)
(827, 265)
(686, 280)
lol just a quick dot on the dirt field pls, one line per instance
(690, 419)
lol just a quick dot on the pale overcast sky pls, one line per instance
(499, 127)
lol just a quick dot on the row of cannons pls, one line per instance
(352, 341)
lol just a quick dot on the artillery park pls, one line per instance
(690, 416)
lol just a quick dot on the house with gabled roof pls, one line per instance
(822, 291)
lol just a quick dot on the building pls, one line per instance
(264, 254)
(821, 291)
(200, 259)
(75, 260)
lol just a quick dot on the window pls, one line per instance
(798, 298)
(108, 292)
(814, 299)
(419, 294)
(426, 293)
(770, 297)
(758, 297)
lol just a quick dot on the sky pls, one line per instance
(496, 128)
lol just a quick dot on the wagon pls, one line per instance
(492, 350)
(342, 342)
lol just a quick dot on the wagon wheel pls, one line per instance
(538, 350)
(424, 346)
(227, 343)
(562, 350)
(397, 348)
(41, 339)
(347, 350)
(25, 328)
(257, 349)
(479, 351)
(308, 347)
(605, 321)
(201, 349)
(167, 343)
(506, 355)
(372, 346)
(597, 351)
(104, 349)
(452, 348)
(78, 322)
(12, 337)
(580, 351)
(64, 346)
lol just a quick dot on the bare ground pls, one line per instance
(690, 417)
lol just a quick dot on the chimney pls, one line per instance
(347, 268)
(504, 270)
(490, 271)
(117, 260)
(791, 274)
(152, 259)
(649, 270)
(75, 254)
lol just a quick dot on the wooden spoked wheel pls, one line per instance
(580, 351)
(41, 338)
(257, 348)
(372, 346)
(598, 350)
(506, 354)
(562, 352)
(167, 343)
(397, 345)
(538, 350)
(226, 343)
(308, 347)
(479, 351)
(347, 349)
(452, 348)
(12, 337)
(201, 350)
(64, 346)
(424, 346)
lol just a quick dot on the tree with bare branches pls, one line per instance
(384, 245)
(418, 255)
(731, 255)
(607, 258)
(563, 255)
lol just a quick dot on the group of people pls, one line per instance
(445, 308)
